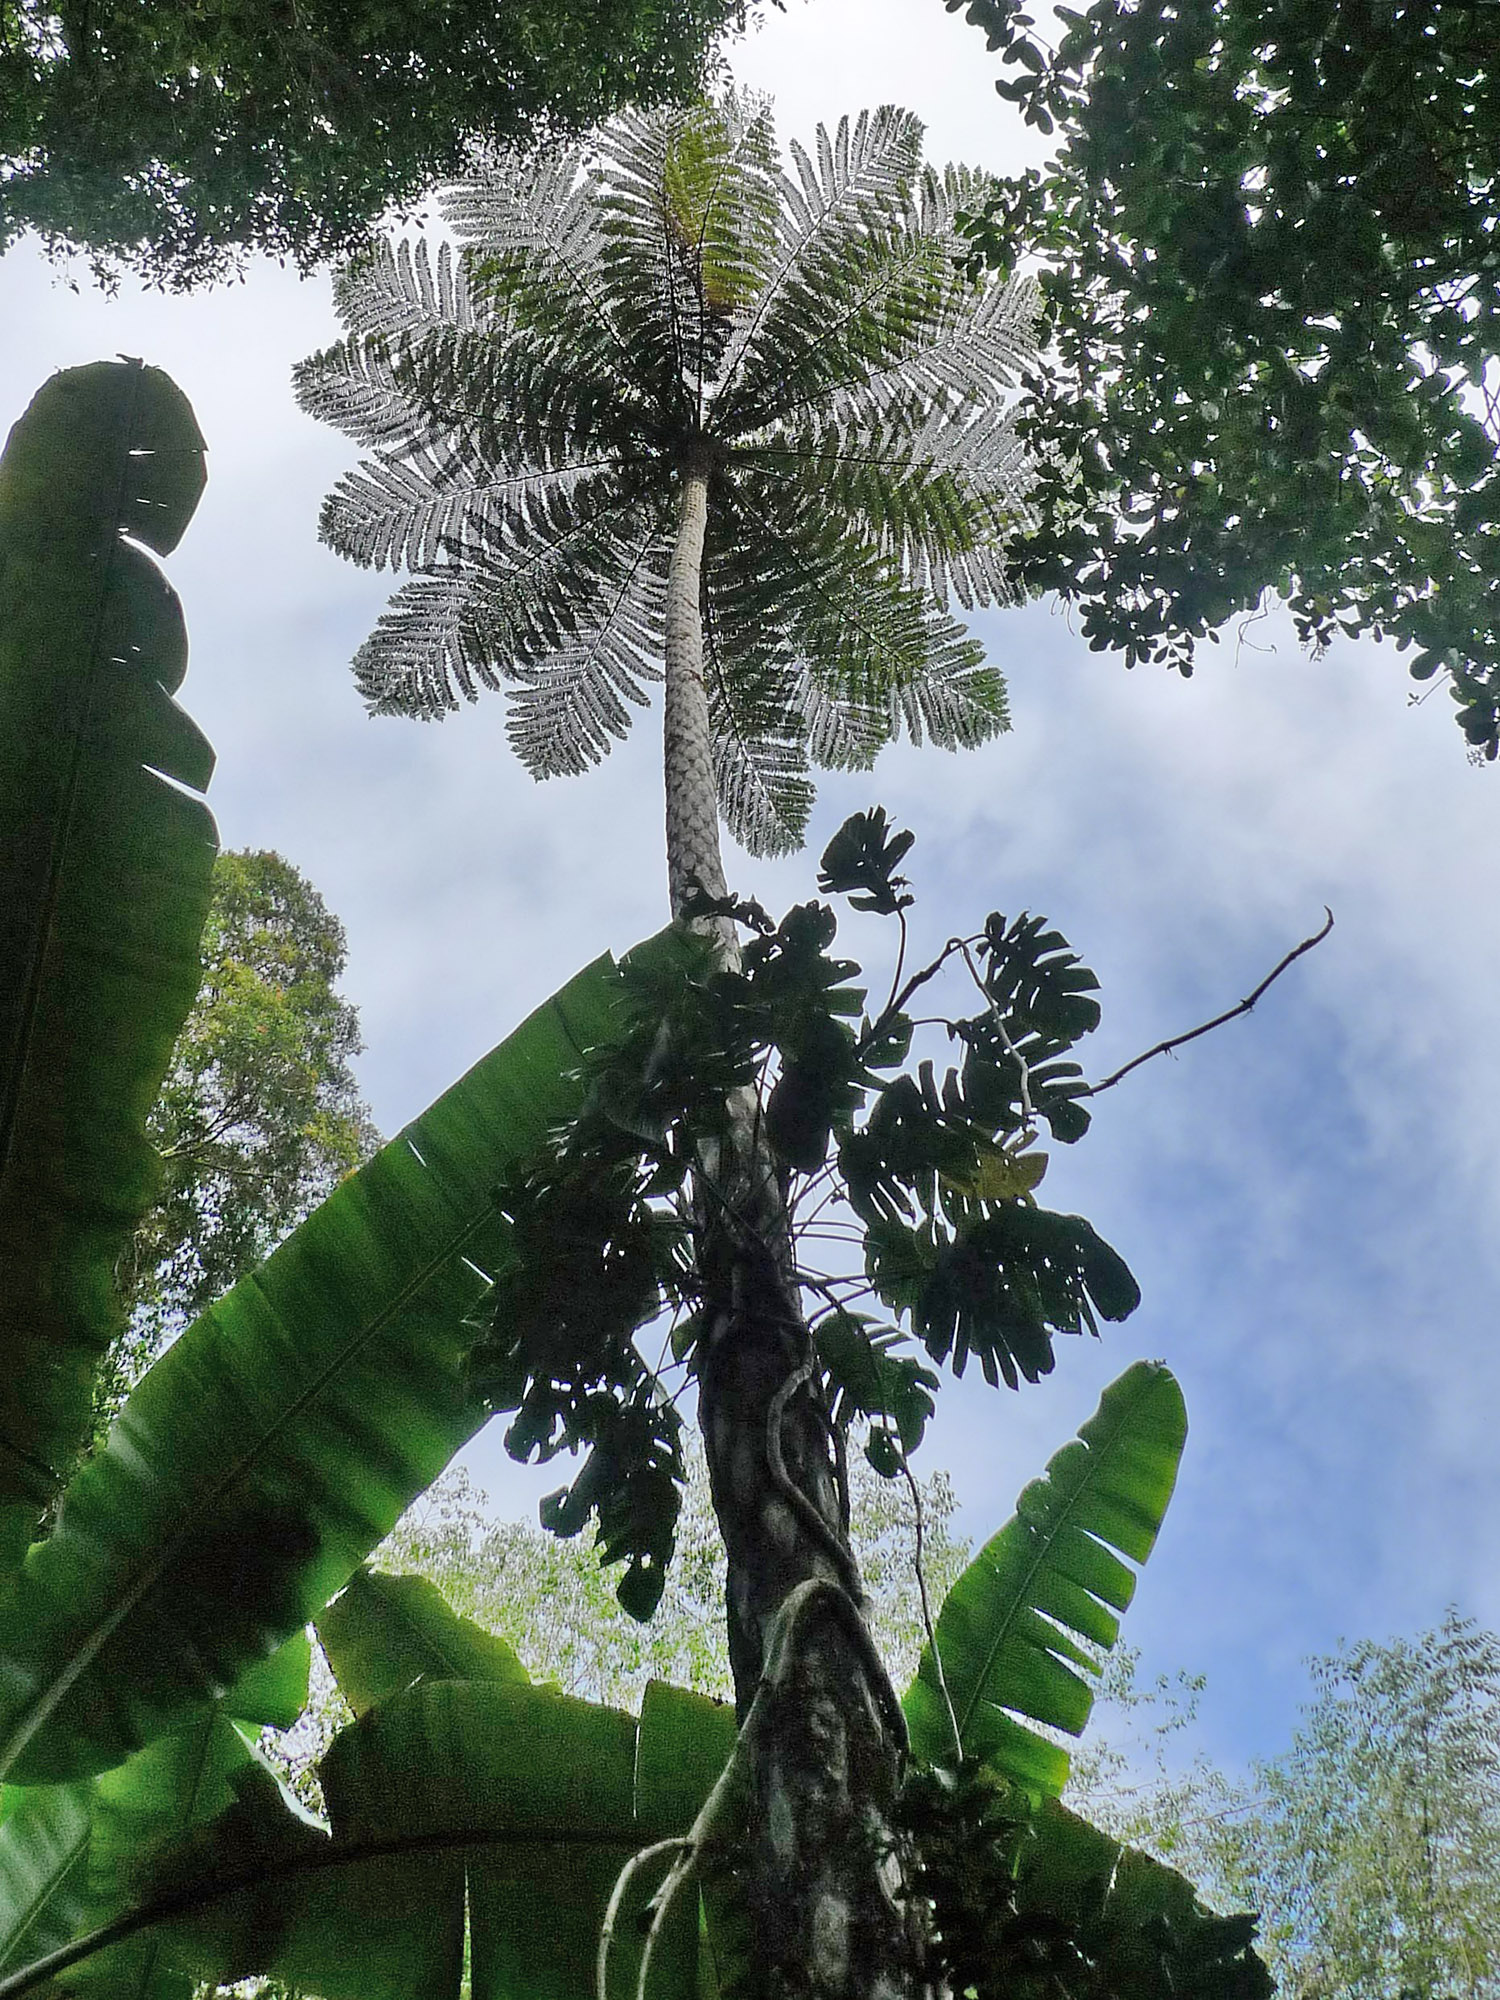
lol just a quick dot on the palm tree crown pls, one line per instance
(662, 363)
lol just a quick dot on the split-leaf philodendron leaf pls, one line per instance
(105, 860)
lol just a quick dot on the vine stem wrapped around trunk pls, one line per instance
(823, 1755)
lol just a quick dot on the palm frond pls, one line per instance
(517, 604)
(760, 759)
(395, 289)
(789, 576)
(416, 509)
(422, 656)
(858, 184)
(567, 711)
(844, 732)
(938, 527)
(530, 404)
(535, 242)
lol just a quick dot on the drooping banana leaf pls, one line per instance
(384, 1633)
(268, 1451)
(508, 1806)
(1056, 1568)
(1140, 1923)
(66, 1851)
(44, 1849)
(104, 881)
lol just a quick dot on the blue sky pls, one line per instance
(1309, 1197)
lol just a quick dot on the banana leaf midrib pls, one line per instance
(56, 861)
(145, 1580)
(332, 1856)
(1023, 1589)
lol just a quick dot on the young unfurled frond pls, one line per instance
(662, 298)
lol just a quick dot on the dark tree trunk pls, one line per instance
(825, 1743)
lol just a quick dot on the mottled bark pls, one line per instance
(823, 1760)
(692, 792)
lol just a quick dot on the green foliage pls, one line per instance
(259, 1116)
(1273, 300)
(281, 1437)
(104, 880)
(938, 1180)
(549, 1598)
(662, 300)
(501, 1811)
(505, 1813)
(1029, 1905)
(1002, 1645)
(1372, 1843)
(175, 139)
(68, 1853)
(384, 1633)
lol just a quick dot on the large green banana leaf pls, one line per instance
(104, 882)
(383, 1633)
(281, 1437)
(67, 1851)
(1137, 1920)
(490, 1803)
(494, 1811)
(1055, 1568)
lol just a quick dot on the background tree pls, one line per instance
(554, 1601)
(1273, 298)
(259, 1115)
(176, 139)
(1371, 1846)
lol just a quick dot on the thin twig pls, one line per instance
(1229, 1014)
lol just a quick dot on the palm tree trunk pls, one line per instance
(824, 1738)
(692, 793)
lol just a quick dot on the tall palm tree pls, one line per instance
(676, 416)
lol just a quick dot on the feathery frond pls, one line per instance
(666, 296)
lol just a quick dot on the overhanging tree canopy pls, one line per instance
(178, 138)
(1274, 292)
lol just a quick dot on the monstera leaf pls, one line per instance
(1056, 1568)
(105, 860)
(281, 1437)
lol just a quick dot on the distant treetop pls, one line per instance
(1272, 235)
(175, 139)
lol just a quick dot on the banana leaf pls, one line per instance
(1138, 1923)
(383, 1633)
(279, 1440)
(105, 864)
(489, 1812)
(67, 1851)
(1056, 1568)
